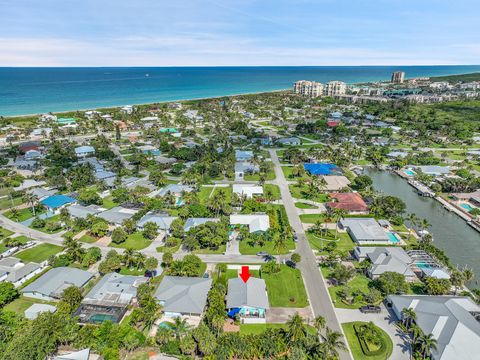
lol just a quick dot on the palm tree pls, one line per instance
(31, 199)
(319, 323)
(180, 327)
(279, 243)
(338, 214)
(129, 257)
(409, 316)
(427, 343)
(413, 220)
(295, 328)
(468, 274)
(332, 342)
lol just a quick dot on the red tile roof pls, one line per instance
(333, 123)
(348, 202)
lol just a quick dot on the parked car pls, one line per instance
(262, 253)
(371, 309)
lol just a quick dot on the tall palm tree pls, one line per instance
(468, 274)
(129, 257)
(338, 214)
(332, 342)
(413, 220)
(319, 323)
(426, 343)
(180, 327)
(296, 329)
(31, 199)
(409, 316)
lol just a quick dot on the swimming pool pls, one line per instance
(423, 265)
(393, 238)
(409, 172)
(466, 206)
(166, 325)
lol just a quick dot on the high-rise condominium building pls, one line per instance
(335, 88)
(308, 88)
(398, 77)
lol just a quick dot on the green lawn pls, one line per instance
(287, 172)
(256, 329)
(356, 348)
(173, 249)
(45, 229)
(302, 205)
(88, 239)
(274, 189)
(39, 253)
(220, 250)
(22, 214)
(246, 249)
(5, 233)
(286, 288)
(108, 202)
(270, 175)
(300, 193)
(135, 272)
(344, 242)
(134, 241)
(23, 303)
(204, 193)
(358, 284)
(6, 203)
(312, 218)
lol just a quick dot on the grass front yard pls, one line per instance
(6, 202)
(274, 191)
(301, 193)
(286, 288)
(312, 218)
(356, 348)
(135, 241)
(39, 253)
(88, 239)
(247, 249)
(45, 229)
(5, 233)
(108, 202)
(257, 329)
(344, 242)
(359, 284)
(221, 250)
(302, 205)
(22, 214)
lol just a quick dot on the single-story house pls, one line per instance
(193, 222)
(33, 155)
(335, 182)
(80, 211)
(255, 222)
(435, 272)
(350, 202)
(290, 141)
(41, 193)
(84, 151)
(164, 221)
(15, 271)
(51, 285)
(56, 202)
(109, 298)
(28, 184)
(248, 300)
(183, 295)
(76, 355)
(117, 215)
(247, 190)
(245, 167)
(175, 189)
(385, 259)
(243, 155)
(434, 170)
(36, 309)
(397, 154)
(452, 320)
(365, 231)
(322, 169)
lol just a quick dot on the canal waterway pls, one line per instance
(451, 233)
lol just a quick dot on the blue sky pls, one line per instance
(241, 32)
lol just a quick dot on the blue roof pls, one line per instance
(55, 201)
(321, 169)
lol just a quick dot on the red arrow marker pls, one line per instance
(245, 274)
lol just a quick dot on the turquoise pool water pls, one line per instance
(393, 238)
(409, 172)
(166, 325)
(423, 265)
(466, 207)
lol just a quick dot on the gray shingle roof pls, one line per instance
(365, 229)
(253, 293)
(58, 279)
(192, 222)
(117, 215)
(164, 221)
(186, 295)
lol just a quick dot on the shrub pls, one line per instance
(38, 223)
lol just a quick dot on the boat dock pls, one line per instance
(421, 189)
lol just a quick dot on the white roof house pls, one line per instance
(384, 259)
(247, 190)
(452, 320)
(193, 222)
(36, 309)
(255, 222)
(117, 215)
(252, 293)
(83, 151)
(164, 221)
(335, 182)
(365, 230)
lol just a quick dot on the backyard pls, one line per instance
(38, 253)
(23, 303)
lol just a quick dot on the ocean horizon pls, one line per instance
(35, 90)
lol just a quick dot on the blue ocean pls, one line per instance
(40, 90)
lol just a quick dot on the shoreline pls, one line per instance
(147, 103)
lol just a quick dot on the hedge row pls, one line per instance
(364, 345)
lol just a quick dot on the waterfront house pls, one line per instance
(352, 203)
(84, 151)
(365, 231)
(383, 259)
(248, 300)
(434, 170)
(109, 298)
(247, 190)
(255, 222)
(193, 222)
(453, 321)
(322, 169)
(183, 296)
(51, 285)
(335, 182)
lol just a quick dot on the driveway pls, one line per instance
(280, 315)
(385, 321)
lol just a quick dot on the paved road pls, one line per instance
(316, 287)
(386, 322)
